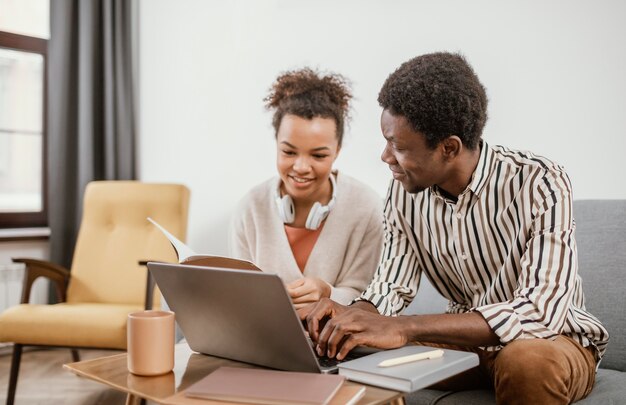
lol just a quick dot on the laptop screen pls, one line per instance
(236, 314)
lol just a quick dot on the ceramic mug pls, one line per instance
(150, 342)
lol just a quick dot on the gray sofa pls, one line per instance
(601, 238)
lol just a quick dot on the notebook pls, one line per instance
(411, 376)
(259, 386)
(241, 315)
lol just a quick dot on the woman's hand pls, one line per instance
(307, 290)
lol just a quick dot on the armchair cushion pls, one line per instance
(78, 325)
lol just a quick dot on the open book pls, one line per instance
(187, 256)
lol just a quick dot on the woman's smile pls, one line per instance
(301, 182)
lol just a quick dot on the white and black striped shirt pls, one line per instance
(506, 249)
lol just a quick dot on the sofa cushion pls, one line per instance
(432, 397)
(601, 240)
(610, 388)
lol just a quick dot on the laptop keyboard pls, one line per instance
(327, 363)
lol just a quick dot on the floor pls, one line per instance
(42, 380)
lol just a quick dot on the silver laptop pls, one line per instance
(238, 314)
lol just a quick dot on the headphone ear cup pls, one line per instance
(286, 210)
(317, 214)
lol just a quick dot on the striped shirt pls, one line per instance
(505, 249)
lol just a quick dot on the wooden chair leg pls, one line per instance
(75, 355)
(15, 369)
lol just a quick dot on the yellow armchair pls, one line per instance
(106, 281)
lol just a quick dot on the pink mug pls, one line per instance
(150, 342)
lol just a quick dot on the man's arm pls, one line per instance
(360, 324)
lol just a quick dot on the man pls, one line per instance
(493, 231)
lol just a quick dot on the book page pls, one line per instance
(187, 256)
(183, 252)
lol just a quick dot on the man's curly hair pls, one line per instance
(308, 94)
(440, 95)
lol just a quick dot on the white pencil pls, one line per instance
(432, 354)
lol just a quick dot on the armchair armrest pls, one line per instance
(35, 268)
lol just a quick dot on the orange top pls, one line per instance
(302, 241)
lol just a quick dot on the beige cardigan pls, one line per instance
(346, 253)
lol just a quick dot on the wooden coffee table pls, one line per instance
(189, 367)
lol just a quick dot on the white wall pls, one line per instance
(554, 73)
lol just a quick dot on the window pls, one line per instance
(24, 30)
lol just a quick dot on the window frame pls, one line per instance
(25, 43)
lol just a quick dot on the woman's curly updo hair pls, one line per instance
(307, 94)
(440, 95)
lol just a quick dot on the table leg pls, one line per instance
(132, 399)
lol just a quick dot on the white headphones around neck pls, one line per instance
(317, 214)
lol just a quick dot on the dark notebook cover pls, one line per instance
(261, 386)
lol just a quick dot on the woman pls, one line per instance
(319, 230)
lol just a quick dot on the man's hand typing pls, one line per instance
(337, 329)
